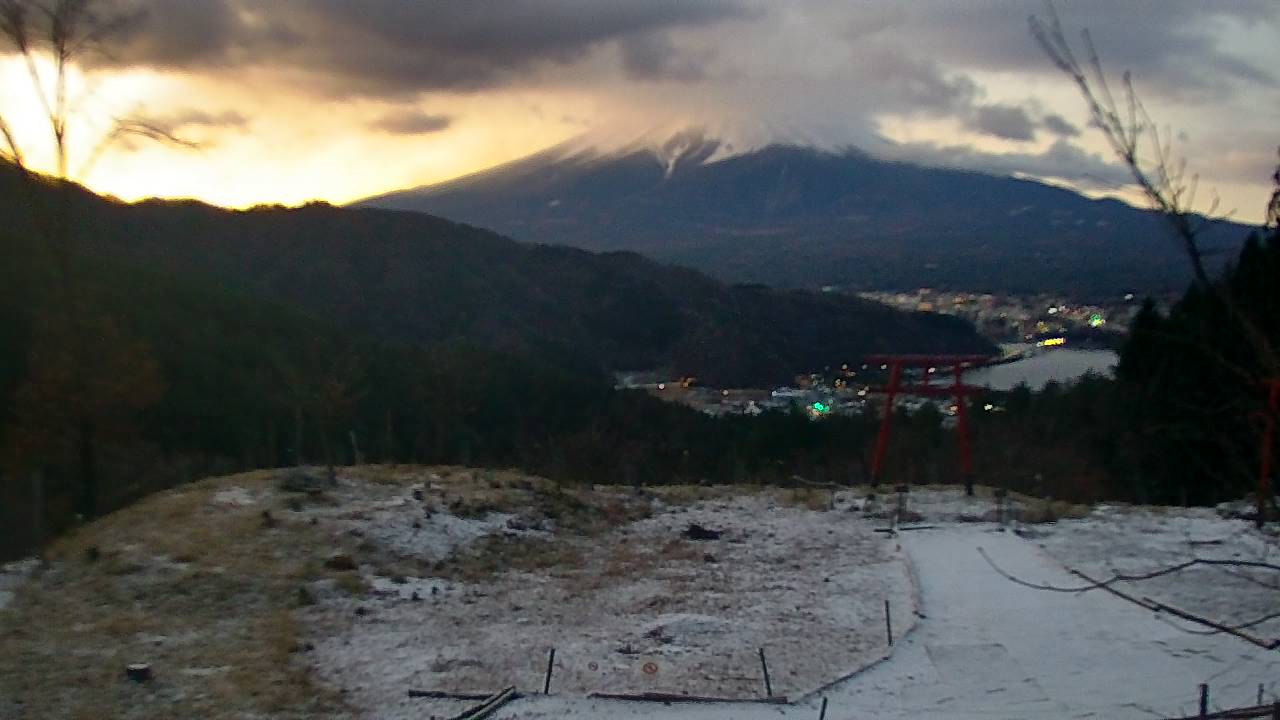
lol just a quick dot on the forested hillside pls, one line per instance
(178, 379)
(417, 278)
(178, 340)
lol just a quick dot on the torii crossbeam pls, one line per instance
(957, 364)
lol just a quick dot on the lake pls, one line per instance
(1061, 365)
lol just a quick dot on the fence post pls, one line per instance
(551, 661)
(764, 665)
(888, 623)
(822, 713)
(1204, 700)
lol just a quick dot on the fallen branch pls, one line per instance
(672, 698)
(1161, 607)
(891, 531)
(446, 695)
(1146, 603)
(1244, 713)
(488, 707)
(1121, 577)
(1154, 606)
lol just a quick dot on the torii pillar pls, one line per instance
(958, 364)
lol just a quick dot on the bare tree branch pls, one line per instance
(1161, 179)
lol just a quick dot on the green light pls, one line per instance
(1096, 320)
(821, 407)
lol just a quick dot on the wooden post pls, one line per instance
(551, 661)
(822, 713)
(764, 665)
(1204, 700)
(888, 623)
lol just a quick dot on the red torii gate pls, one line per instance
(958, 390)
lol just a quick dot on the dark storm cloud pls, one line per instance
(1009, 122)
(654, 56)
(412, 122)
(191, 34)
(1058, 125)
(833, 72)
(913, 82)
(388, 47)
(1171, 46)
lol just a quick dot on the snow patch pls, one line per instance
(233, 497)
(687, 629)
(13, 575)
(403, 527)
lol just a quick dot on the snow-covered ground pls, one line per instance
(1128, 540)
(988, 648)
(12, 575)
(452, 579)
(637, 609)
(992, 649)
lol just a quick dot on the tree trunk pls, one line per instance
(297, 436)
(37, 512)
(88, 470)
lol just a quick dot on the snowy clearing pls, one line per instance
(285, 594)
(1122, 539)
(639, 608)
(991, 649)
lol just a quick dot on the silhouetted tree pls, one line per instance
(1219, 337)
(74, 341)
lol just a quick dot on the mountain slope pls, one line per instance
(419, 278)
(802, 217)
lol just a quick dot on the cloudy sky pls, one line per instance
(290, 100)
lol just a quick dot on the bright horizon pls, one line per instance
(302, 101)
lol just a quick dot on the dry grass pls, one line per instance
(497, 554)
(205, 591)
(201, 592)
(1046, 511)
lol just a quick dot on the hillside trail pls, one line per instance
(987, 649)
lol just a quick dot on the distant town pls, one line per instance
(846, 391)
(1023, 318)
(1024, 325)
